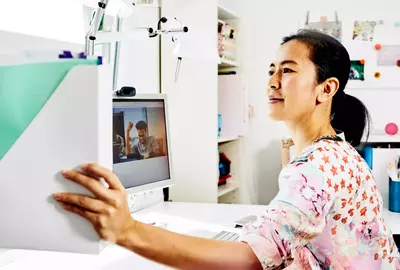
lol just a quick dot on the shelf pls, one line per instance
(228, 187)
(227, 63)
(148, 4)
(226, 14)
(225, 139)
(381, 138)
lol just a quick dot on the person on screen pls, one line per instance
(328, 213)
(144, 146)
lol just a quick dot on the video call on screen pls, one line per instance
(140, 152)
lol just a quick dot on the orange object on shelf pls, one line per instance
(377, 75)
(378, 46)
(362, 61)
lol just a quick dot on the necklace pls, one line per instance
(333, 137)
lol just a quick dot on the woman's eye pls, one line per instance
(270, 73)
(287, 70)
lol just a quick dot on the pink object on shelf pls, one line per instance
(391, 129)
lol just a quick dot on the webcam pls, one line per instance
(126, 91)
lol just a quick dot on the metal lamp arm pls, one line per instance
(90, 37)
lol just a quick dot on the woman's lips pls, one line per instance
(275, 100)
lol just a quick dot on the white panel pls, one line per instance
(73, 127)
(193, 103)
(375, 100)
(231, 104)
(139, 64)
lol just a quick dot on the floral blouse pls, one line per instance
(327, 215)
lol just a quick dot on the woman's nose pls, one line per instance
(274, 82)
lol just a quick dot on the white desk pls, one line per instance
(116, 258)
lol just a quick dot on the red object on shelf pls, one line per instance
(391, 129)
(224, 168)
(378, 46)
(398, 63)
(223, 180)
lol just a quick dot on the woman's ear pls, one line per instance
(327, 90)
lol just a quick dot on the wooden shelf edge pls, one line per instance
(227, 63)
(224, 139)
(228, 187)
(378, 138)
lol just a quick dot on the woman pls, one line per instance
(327, 214)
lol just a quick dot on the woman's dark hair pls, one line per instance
(331, 59)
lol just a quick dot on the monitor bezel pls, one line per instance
(164, 183)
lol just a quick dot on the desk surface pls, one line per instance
(116, 258)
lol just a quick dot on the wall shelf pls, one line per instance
(228, 187)
(224, 139)
(226, 14)
(382, 138)
(227, 63)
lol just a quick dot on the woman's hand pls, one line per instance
(107, 210)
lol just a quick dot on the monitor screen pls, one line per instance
(140, 143)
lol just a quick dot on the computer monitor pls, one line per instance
(141, 146)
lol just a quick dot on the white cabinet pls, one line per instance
(195, 101)
(232, 106)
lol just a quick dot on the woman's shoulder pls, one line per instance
(327, 151)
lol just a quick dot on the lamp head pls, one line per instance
(129, 3)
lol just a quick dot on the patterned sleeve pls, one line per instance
(294, 217)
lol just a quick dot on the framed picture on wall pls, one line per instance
(331, 28)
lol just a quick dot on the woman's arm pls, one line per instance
(184, 252)
(293, 219)
(109, 214)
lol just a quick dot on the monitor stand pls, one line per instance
(143, 200)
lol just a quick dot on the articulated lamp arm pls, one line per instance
(92, 36)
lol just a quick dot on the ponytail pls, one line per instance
(350, 116)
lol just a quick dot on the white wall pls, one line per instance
(260, 36)
(263, 24)
(193, 102)
(53, 19)
(232, 5)
(140, 59)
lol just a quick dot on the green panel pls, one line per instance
(24, 90)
